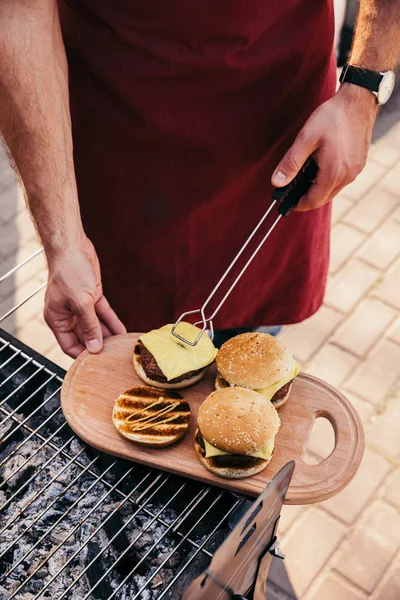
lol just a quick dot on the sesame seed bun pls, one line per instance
(237, 420)
(254, 360)
(229, 466)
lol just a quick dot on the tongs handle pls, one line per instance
(289, 195)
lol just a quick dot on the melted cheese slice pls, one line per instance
(269, 391)
(264, 453)
(174, 357)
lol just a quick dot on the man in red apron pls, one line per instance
(181, 113)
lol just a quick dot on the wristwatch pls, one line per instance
(380, 84)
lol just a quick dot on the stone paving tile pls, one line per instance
(383, 247)
(12, 203)
(57, 356)
(34, 269)
(31, 308)
(38, 336)
(365, 326)
(384, 152)
(345, 240)
(333, 587)
(394, 332)
(317, 536)
(371, 546)
(389, 588)
(350, 285)
(388, 288)
(391, 490)
(321, 442)
(341, 205)
(291, 515)
(384, 434)
(376, 376)
(390, 181)
(349, 503)
(371, 175)
(376, 206)
(332, 364)
(17, 234)
(306, 338)
(364, 408)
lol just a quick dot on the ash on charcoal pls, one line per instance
(45, 512)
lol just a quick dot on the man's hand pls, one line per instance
(338, 135)
(75, 307)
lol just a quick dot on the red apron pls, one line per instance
(181, 110)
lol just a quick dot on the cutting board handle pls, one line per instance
(342, 463)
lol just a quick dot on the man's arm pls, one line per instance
(35, 124)
(339, 132)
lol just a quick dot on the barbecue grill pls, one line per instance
(76, 523)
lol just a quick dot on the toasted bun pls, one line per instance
(254, 360)
(165, 386)
(221, 383)
(227, 466)
(237, 420)
(155, 433)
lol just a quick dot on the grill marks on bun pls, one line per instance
(149, 417)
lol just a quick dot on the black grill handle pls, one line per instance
(288, 196)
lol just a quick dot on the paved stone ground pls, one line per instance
(348, 547)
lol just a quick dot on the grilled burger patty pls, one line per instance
(279, 395)
(229, 461)
(152, 369)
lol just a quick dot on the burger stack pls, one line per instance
(237, 424)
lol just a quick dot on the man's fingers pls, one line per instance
(69, 343)
(104, 330)
(108, 317)
(318, 194)
(90, 326)
(294, 159)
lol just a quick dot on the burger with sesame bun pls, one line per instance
(257, 361)
(236, 432)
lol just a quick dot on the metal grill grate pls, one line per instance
(76, 523)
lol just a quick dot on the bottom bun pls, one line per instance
(165, 386)
(145, 402)
(221, 383)
(228, 472)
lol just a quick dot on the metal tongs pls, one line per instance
(287, 198)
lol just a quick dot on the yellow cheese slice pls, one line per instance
(174, 357)
(264, 453)
(269, 391)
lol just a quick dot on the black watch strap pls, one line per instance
(363, 77)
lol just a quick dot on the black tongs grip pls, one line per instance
(289, 195)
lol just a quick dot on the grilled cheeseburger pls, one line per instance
(163, 361)
(148, 417)
(236, 432)
(257, 361)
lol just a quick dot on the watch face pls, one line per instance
(386, 87)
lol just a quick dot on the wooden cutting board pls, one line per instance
(94, 381)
